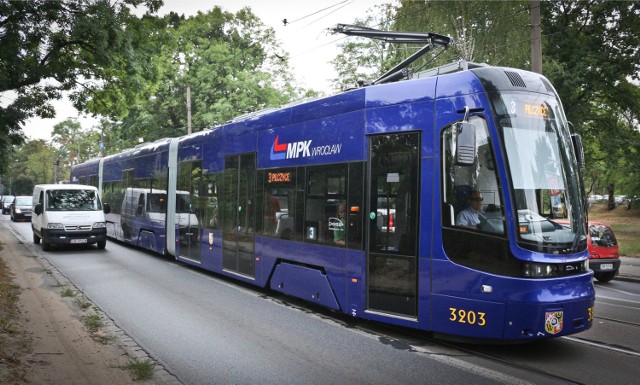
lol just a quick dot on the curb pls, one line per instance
(627, 278)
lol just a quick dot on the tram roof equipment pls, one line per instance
(431, 41)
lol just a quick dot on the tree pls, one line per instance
(364, 59)
(591, 54)
(490, 32)
(40, 158)
(232, 64)
(31, 163)
(493, 32)
(51, 47)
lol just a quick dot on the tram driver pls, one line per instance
(470, 217)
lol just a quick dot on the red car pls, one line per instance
(604, 258)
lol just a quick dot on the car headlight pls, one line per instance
(17, 211)
(55, 226)
(99, 225)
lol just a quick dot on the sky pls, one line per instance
(305, 37)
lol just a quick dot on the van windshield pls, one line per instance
(73, 200)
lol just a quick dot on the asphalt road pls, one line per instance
(205, 329)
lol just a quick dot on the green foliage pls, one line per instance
(29, 164)
(494, 32)
(232, 64)
(140, 369)
(50, 47)
(591, 57)
(75, 144)
(364, 59)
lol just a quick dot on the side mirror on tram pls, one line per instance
(466, 150)
(576, 139)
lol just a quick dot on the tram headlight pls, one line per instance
(540, 270)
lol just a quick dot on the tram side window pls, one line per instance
(325, 218)
(472, 198)
(190, 184)
(279, 209)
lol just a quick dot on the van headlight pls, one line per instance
(55, 226)
(17, 211)
(99, 225)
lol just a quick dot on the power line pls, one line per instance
(396, 17)
(287, 22)
(322, 17)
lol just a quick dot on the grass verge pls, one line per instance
(625, 224)
(140, 370)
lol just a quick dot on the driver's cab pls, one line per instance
(471, 187)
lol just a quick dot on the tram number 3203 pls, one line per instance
(469, 317)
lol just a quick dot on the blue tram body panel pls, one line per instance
(452, 298)
(513, 309)
(331, 139)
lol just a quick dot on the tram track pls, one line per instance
(454, 353)
(421, 343)
(601, 345)
(504, 361)
(636, 324)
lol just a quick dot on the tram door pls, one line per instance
(239, 223)
(189, 215)
(392, 258)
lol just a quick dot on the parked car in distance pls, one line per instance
(6, 203)
(21, 208)
(604, 256)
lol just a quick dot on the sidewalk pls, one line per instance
(49, 343)
(629, 269)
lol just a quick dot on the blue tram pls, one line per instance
(355, 202)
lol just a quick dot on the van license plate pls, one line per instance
(78, 241)
(606, 266)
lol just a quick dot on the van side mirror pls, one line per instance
(466, 150)
(106, 208)
(38, 209)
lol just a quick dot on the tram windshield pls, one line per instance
(543, 170)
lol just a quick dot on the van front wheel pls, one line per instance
(36, 239)
(46, 246)
(102, 244)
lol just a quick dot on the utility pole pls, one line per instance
(536, 35)
(188, 109)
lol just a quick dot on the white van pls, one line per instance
(65, 214)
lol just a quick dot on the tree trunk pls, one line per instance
(611, 203)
